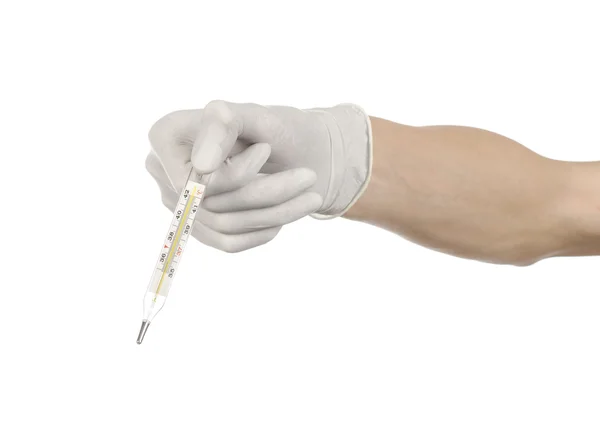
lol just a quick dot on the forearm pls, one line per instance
(476, 194)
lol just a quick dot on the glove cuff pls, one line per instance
(351, 157)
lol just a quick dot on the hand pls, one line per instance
(271, 166)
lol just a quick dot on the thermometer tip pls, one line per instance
(143, 329)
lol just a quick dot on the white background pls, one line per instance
(336, 334)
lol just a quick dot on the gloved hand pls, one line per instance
(271, 166)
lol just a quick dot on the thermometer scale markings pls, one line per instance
(185, 221)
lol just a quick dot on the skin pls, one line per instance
(475, 194)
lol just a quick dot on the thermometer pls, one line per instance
(172, 248)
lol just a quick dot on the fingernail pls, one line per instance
(207, 158)
(207, 154)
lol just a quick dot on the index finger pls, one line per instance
(222, 124)
(171, 139)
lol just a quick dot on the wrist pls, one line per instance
(379, 194)
(351, 139)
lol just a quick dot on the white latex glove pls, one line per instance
(272, 165)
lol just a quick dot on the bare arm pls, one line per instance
(475, 194)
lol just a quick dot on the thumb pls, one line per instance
(218, 131)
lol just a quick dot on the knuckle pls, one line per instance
(215, 105)
(152, 163)
(164, 127)
(157, 130)
(220, 109)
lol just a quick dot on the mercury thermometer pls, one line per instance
(172, 248)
